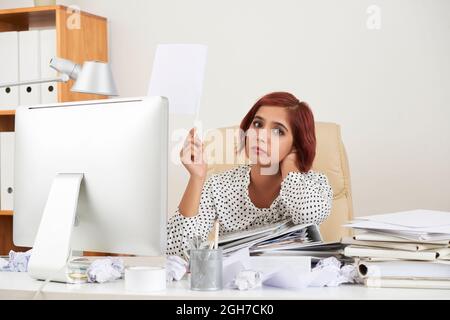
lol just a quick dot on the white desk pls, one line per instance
(22, 286)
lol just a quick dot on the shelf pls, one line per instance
(6, 213)
(86, 41)
(7, 120)
(20, 19)
(41, 10)
(30, 9)
(7, 112)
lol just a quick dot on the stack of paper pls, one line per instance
(316, 251)
(281, 235)
(404, 249)
(282, 239)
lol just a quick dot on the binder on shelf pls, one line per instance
(9, 69)
(47, 40)
(7, 171)
(29, 67)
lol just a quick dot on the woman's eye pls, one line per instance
(257, 124)
(278, 132)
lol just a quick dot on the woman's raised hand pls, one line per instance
(191, 156)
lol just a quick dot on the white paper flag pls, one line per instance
(178, 73)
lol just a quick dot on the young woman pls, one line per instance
(280, 141)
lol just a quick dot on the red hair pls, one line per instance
(301, 120)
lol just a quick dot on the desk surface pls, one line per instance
(21, 286)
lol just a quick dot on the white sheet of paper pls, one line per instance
(268, 264)
(287, 278)
(235, 263)
(289, 273)
(178, 74)
(375, 225)
(413, 218)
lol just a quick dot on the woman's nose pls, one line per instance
(263, 136)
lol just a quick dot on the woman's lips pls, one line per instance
(258, 150)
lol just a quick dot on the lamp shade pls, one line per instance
(95, 77)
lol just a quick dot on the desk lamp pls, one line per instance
(94, 77)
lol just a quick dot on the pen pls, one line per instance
(213, 235)
(216, 234)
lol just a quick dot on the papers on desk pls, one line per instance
(284, 239)
(399, 249)
(276, 237)
(416, 225)
(413, 219)
(425, 255)
(396, 282)
(403, 269)
(315, 252)
(375, 236)
(15, 262)
(285, 272)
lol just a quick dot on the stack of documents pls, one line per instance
(283, 238)
(283, 234)
(404, 249)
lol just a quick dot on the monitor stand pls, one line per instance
(52, 249)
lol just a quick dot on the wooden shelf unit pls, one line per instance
(7, 120)
(88, 42)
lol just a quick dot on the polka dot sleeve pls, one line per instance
(307, 197)
(180, 230)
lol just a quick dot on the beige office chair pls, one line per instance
(331, 160)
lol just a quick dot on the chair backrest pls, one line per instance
(222, 153)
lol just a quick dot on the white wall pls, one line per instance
(6, 4)
(388, 88)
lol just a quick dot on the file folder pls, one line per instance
(29, 67)
(49, 92)
(9, 69)
(7, 171)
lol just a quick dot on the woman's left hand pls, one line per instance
(289, 164)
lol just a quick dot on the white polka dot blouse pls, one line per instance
(304, 197)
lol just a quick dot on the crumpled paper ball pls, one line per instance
(248, 279)
(104, 270)
(176, 268)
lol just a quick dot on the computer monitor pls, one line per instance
(90, 176)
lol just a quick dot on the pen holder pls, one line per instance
(206, 269)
